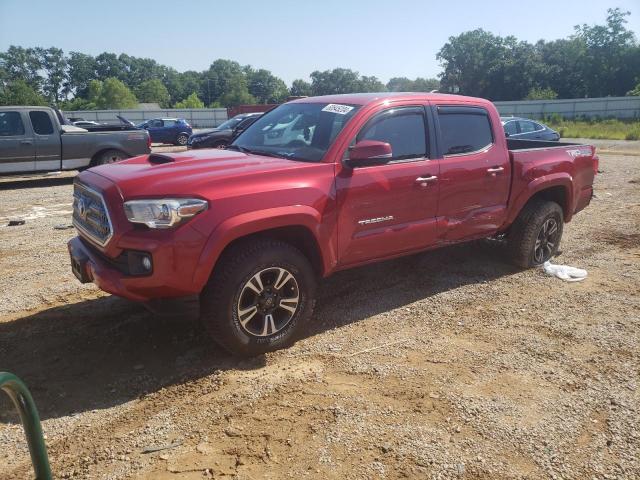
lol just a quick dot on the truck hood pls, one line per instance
(188, 173)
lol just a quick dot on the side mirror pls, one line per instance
(368, 152)
(507, 134)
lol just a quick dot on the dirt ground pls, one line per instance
(449, 364)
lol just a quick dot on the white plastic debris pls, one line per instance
(564, 272)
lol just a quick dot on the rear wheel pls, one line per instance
(182, 139)
(220, 145)
(259, 297)
(110, 156)
(535, 236)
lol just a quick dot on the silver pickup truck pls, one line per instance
(36, 139)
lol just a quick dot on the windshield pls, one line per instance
(300, 131)
(229, 124)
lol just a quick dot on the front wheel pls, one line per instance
(535, 236)
(259, 297)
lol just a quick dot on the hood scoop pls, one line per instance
(157, 159)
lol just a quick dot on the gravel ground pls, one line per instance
(448, 364)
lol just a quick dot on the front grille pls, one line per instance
(90, 214)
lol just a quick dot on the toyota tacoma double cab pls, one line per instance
(314, 186)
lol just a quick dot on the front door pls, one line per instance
(47, 141)
(17, 150)
(156, 131)
(475, 173)
(389, 208)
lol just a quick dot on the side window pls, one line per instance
(464, 129)
(156, 123)
(169, 123)
(403, 128)
(510, 128)
(537, 126)
(41, 123)
(11, 124)
(527, 127)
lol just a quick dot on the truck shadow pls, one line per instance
(38, 181)
(104, 352)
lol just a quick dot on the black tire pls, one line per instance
(221, 145)
(182, 139)
(110, 156)
(226, 302)
(537, 229)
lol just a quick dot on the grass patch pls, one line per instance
(598, 129)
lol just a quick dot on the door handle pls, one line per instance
(26, 142)
(424, 180)
(495, 170)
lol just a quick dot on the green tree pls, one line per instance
(192, 101)
(635, 91)
(300, 88)
(223, 77)
(537, 93)
(115, 94)
(19, 92)
(370, 84)
(612, 56)
(153, 91)
(22, 64)
(338, 80)
(238, 95)
(403, 84)
(54, 66)
(81, 69)
(264, 86)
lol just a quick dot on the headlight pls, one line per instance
(163, 213)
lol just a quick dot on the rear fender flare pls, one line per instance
(560, 179)
(255, 222)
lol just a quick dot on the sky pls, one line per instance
(292, 38)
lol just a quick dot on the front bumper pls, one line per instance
(168, 279)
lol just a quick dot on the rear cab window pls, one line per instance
(41, 122)
(464, 130)
(11, 124)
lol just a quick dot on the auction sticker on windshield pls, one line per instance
(337, 108)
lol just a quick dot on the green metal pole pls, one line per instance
(19, 394)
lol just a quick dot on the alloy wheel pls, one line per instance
(268, 301)
(546, 241)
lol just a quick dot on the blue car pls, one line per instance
(175, 131)
(525, 129)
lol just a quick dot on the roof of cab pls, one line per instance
(374, 97)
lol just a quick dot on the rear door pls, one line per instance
(47, 140)
(17, 149)
(389, 208)
(475, 172)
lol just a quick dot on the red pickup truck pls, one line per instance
(315, 186)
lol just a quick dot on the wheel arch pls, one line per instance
(557, 189)
(298, 226)
(102, 150)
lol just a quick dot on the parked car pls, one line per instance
(352, 179)
(168, 130)
(223, 134)
(516, 127)
(38, 139)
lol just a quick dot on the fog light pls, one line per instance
(146, 263)
(139, 263)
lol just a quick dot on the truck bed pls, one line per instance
(520, 144)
